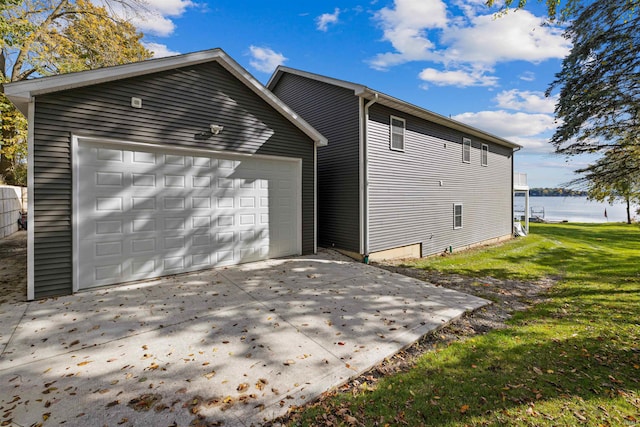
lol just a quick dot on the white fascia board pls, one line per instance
(21, 93)
(368, 94)
(273, 81)
(416, 111)
(243, 75)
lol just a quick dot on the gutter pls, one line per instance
(364, 178)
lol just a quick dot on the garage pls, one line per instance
(147, 211)
(161, 167)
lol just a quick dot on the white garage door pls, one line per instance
(149, 212)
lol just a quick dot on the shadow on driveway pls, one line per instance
(238, 345)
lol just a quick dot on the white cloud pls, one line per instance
(509, 125)
(458, 78)
(529, 101)
(265, 59)
(421, 30)
(153, 23)
(533, 145)
(528, 76)
(153, 16)
(159, 50)
(405, 27)
(169, 7)
(323, 21)
(514, 36)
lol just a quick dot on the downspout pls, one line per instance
(364, 181)
(31, 223)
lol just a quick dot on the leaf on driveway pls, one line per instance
(86, 362)
(208, 376)
(144, 402)
(112, 404)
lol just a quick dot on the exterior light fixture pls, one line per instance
(216, 129)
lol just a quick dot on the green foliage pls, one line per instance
(47, 37)
(94, 40)
(556, 9)
(599, 102)
(572, 360)
(615, 177)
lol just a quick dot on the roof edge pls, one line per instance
(415, 110)
(273, 81)
(22, 93)
(398, 104)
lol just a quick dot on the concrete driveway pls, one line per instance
(235, 346)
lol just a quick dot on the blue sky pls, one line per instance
(453, 57)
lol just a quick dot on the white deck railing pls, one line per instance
(519, 180)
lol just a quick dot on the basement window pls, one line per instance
(396, 137)
(466, 150)
(457, 216)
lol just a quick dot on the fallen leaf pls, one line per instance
(579, 416)
(537, 370)
(144, 402)
(112, 404)
(242, 387)
(351, 420)
(261, 383)
(464, 408)
(209, 375)
(86, 362)
(289, 362)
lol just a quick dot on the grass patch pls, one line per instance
(574, 360)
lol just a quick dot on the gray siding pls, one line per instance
(177, 105)
(334, 112)
(407, 205)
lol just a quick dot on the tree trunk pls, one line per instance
(628, 210)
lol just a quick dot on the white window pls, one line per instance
(396, 137)
(466, 150)
(484, 159)
(457, 216)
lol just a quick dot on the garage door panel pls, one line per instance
(144, 214)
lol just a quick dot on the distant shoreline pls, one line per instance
(554, 192)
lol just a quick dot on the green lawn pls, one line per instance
(574, 360)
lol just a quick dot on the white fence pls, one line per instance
(13, 200)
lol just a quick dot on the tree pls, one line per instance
(554, 7)
(615, 176)
(47, 37)
(599, 100)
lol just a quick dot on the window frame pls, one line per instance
(455, 216)
(466, 149)
(391, 133)
(484, 155)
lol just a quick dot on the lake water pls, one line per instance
(574, 209)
